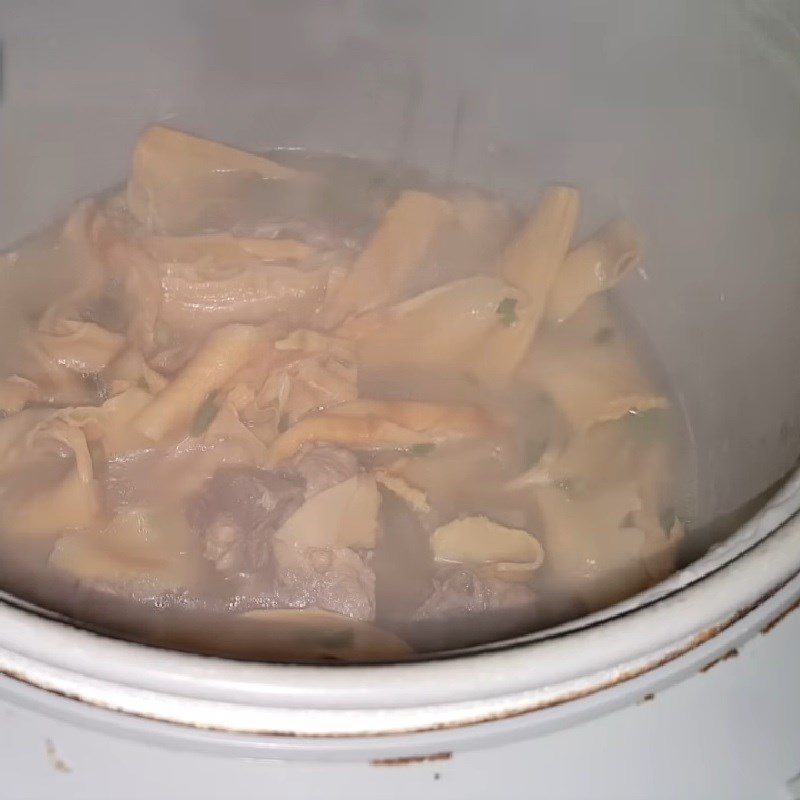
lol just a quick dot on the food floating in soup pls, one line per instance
(310, 408)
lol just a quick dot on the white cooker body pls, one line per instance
(727, 733)
(686, 117)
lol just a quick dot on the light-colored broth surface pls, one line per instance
(312, 408)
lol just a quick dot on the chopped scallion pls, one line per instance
(507, 310)
(205, 415)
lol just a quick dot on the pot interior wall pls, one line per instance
(684, 116)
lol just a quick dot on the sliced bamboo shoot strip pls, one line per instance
(168, 164)
(531, 262)
(395, 250)
(479, 540)
(225, 352)
(383, 423)
(224, 247)
(345, 515)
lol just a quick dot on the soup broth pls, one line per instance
(311, 408)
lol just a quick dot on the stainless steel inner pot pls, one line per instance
(684, 116)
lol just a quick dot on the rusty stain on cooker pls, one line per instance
(405, 761)
(56, 762)
(732, 653)
(622, 677)
(781, 617)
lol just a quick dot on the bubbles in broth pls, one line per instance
(311, 408)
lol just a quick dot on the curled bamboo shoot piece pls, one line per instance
(593, 267)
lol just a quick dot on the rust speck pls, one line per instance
(647, 698)
(405, 761)
(724, 657)
(56, 762)
(781, 617)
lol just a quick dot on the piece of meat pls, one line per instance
(237, 513)
(323, 466)
(403, 561)
(459, 592)
(240, 509)
(339, 580)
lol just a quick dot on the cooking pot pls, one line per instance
(686, 117)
